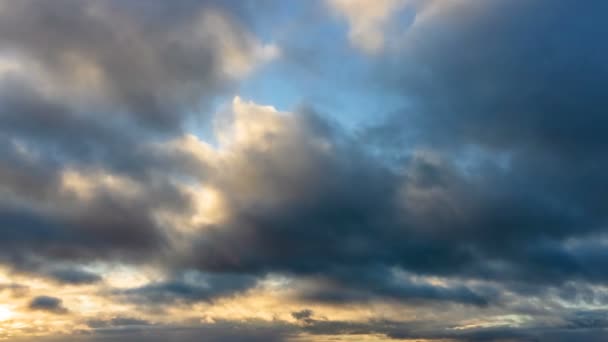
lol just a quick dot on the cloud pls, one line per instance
(189, 287)
(118, 322)
(473, 214)
(49, 304)
(366, 20)
(74, 276)
(150, 61)
(60, 224)
(84, 87)
(522, 121)
(350, 229)
(361, 285)
(303, 314)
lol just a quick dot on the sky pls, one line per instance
(303, 171)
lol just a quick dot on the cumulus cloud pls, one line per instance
(85, 88)
(523, 142)
(84, 85)
(267, 229)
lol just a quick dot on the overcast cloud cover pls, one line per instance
(303, 171)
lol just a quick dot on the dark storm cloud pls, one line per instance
(42, 139)
(150, 66)
(49, 304)
(528, 89)
(188, 288)
(324, 225)
(523, 82)
(352, 285)
(347, 237)
(513, 169)
(54, 128)
(302, 315)
(151, 61)
(74, 276)
(93, 78)
(222, 331)
(105, 224)
(531, 79)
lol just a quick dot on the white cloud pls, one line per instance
(367, 20)
(239, 52)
